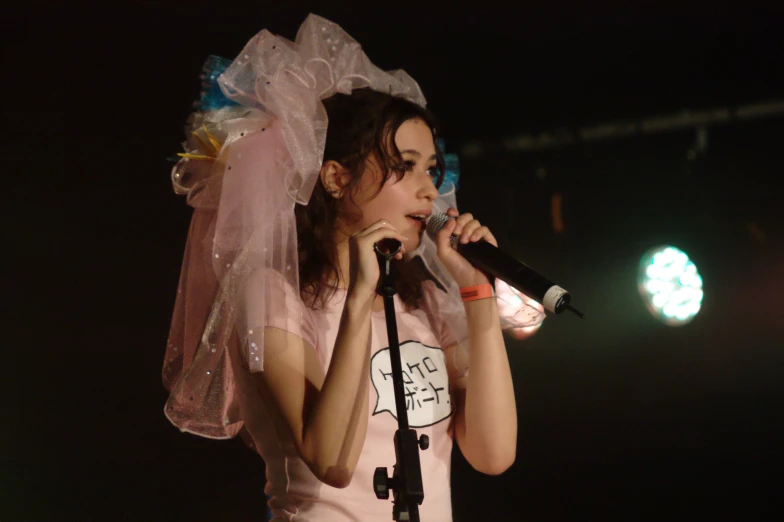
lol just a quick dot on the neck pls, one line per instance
(341, 245)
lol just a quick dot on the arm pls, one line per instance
(486, 412)
(328, 413)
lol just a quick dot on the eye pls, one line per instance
(406, 166)
(434, 171)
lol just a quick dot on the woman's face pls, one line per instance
(405, 202)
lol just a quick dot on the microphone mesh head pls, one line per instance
(435, 222)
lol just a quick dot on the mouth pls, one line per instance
(418, 220)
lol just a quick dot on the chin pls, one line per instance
(413, 243)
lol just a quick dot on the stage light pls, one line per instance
(670, 285)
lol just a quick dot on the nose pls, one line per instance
(427, 188)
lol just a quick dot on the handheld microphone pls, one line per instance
(501, 265)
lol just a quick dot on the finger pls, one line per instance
(461, 221)
(377, 235)
(484, 233)
(481, 232)
(465, 218)
(381, 224)
(452, 212)
(444, 235)
(468, 231)
(375, 226)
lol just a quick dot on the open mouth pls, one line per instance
(418, 219)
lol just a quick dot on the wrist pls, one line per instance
(358, 300)
(479, 292)
(478, 278)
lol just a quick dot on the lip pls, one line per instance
(424, 211)
(416, 222)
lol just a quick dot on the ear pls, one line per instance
(334, 178)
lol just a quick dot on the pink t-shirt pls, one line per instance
(295, 493)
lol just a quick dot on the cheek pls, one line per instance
(389, 203)
(385, 205)
(394, 195)
(371, 211)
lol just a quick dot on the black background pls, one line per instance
(621, 418)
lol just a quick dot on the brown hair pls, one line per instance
(361, 124)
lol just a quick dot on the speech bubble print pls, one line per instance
(425, 382)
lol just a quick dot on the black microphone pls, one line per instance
(501, 265)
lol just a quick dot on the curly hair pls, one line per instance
(361, 124)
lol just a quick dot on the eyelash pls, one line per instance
(407, 166)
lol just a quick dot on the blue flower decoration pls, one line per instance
(452, 165)
(211, 97)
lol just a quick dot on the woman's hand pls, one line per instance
(469, 230)
(363, 260)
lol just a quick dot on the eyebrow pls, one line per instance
(417, 154)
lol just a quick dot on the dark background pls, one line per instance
(621, 417)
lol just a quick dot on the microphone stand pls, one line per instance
(406, 480)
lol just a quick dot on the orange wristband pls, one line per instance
(473, 293)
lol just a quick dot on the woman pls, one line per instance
(293, 351)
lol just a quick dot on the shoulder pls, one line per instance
(273, 299)
(277, 288)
